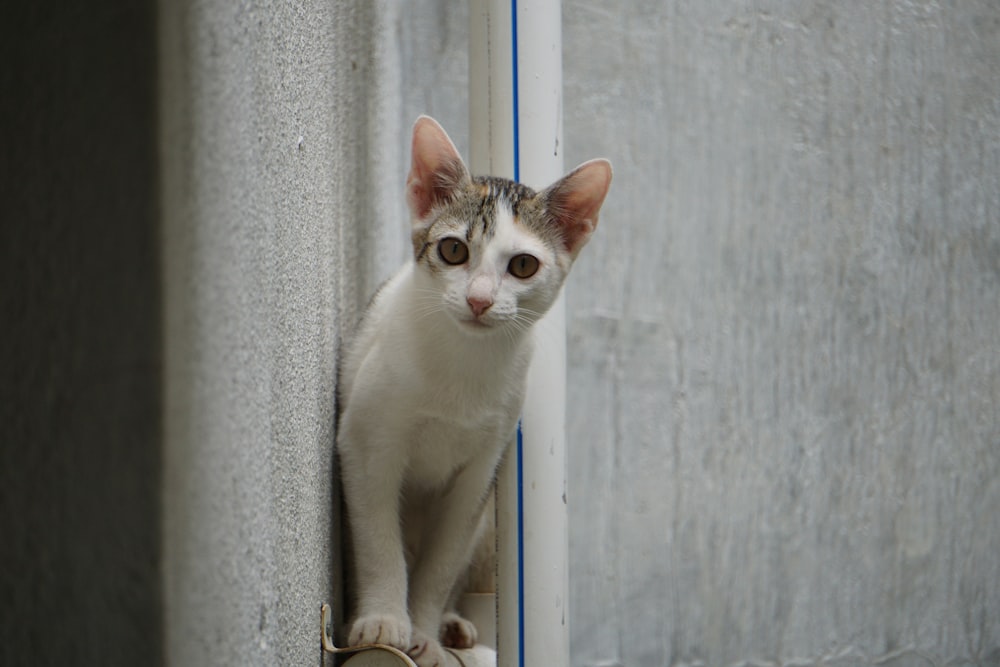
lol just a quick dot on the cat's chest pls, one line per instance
(454, 424)
(441, 444)
(463, 413)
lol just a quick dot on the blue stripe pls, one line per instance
(520, 548)
(520, 440)
(517, 129)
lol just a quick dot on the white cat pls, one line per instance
(432, 385)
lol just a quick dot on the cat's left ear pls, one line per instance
(575, 200)
(436, 168)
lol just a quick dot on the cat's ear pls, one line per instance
(574, 202)
(436, 168)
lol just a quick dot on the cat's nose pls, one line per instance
(479, 304)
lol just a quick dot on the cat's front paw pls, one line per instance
(427, 651)
(381, 629)
(457, 632)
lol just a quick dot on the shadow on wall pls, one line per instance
(80, 410)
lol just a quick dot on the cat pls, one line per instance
(432, 384)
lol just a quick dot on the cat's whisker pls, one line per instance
(420, 316)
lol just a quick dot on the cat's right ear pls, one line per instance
(436, 168)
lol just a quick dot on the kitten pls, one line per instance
(432, 385)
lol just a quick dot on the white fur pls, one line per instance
(431, 396)
(431, 389)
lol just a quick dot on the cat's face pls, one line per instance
(492, 253)
(486, 259)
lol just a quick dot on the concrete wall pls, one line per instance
(785, 369)
(263, 143)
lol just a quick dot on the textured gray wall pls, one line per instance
(263, 137)
(283, 162)
(80, 378)
(785, 374)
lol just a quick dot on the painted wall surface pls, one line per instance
(784, 351)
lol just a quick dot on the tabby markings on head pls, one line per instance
(477, 206)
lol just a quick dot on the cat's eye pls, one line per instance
(453, 251)
(523, 266)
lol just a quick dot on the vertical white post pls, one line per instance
(515, 100)
(491, 88)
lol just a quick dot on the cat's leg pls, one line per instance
(446, 551)
(478, 576)
(372, 477)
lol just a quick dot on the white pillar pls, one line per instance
(515, 101)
